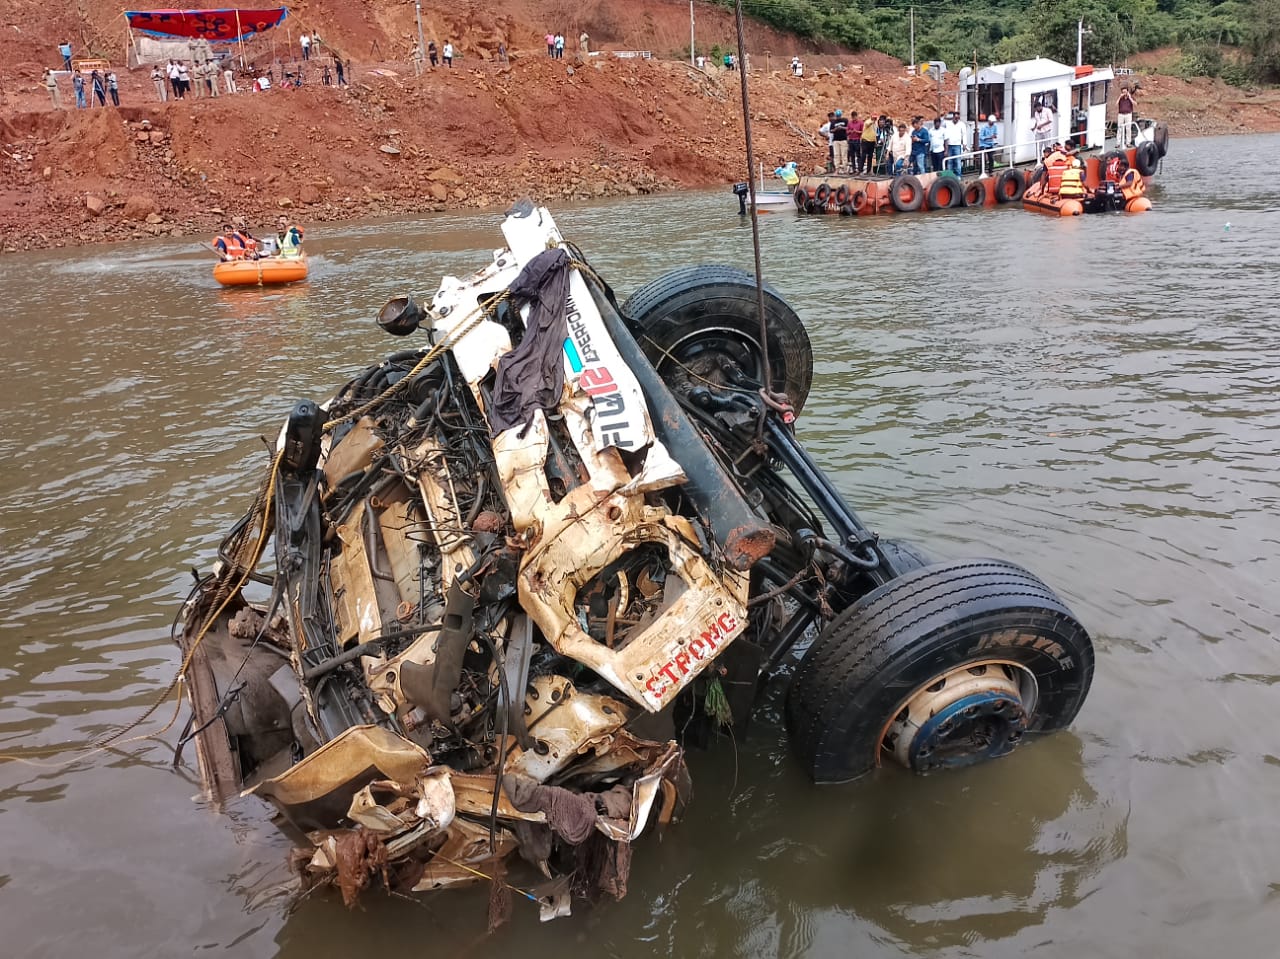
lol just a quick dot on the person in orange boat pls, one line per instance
(1047, 176)
(230, 245)
(288, 237)
(1071, 184)
(1055, 165)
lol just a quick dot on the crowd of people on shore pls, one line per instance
(239, 244)
(879, 146)
(200, 74)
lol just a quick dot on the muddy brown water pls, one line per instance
(1098, 399)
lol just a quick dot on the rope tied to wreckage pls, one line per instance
(778, 401)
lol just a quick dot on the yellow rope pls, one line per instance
(528, 895)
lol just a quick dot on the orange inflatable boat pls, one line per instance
(267, 271)
(1127, 194)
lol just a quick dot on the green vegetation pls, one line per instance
(1236, 39)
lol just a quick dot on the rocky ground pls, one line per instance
(475, 136)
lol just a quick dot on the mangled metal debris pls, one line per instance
(451, 639)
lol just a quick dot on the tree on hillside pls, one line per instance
(1264, 40)
(1055, 24)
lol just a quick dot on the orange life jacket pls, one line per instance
(232, 247)
(1132, 185)
(1056, 163)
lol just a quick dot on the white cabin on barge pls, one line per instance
(1076, 95)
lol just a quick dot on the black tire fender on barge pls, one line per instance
(905, 183)
(944, 193)
(1010, 186)
(975, 193)
(1162, 138)
(1147, 158)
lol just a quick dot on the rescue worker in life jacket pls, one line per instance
(1056, 164)
(230, 245)
(1071, 183)
(288, 237)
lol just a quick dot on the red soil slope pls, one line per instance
(477, 135)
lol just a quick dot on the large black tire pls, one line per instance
(944, 193)
(693, 314)
(1147, 158)
(1010, 186)
(1162, 138)
(906, 193)
(910, 637)
(975, 193)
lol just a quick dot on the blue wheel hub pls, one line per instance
(980, 726)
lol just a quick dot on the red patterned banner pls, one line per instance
(223, 26)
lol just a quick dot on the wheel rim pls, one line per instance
(699, 351)
(967, 715)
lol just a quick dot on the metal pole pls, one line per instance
(417, 12)
(1080, 42)
(692, 50)
(913, 38)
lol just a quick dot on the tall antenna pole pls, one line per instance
(417, 12)
(692, 60)
(913, 38)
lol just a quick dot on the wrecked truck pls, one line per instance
(490, 591)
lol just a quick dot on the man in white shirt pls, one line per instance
(937, 145)
(900, 151)
(1042, 124)
(825, 131)
(305, 40)
(953, 136)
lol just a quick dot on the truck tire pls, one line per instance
(1147, 158)
(906, 193)
(944, 193)
(691, 314)
(1010, 186)
(975, 193)
(947, 665)
(1162, 138)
